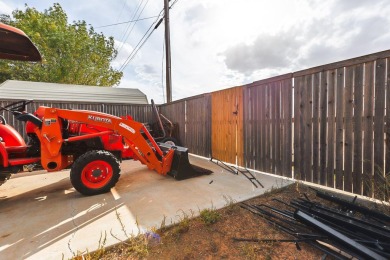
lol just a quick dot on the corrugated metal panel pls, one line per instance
(13, 89)
(141, 113)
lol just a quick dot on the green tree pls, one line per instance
(72, 53)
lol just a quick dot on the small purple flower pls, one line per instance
(153, 237)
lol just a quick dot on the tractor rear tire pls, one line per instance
(171, 141)
(95, 172)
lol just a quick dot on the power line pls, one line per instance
(141, 42)
(143, 39)
(132, 21)
(123, 8)
(138, 46)
(124, 38)
(162, 71)
(173, 4)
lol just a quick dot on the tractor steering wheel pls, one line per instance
(19, 106)
(2, 120)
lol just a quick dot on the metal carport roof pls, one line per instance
(14, 89)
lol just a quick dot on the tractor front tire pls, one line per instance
(95, 172)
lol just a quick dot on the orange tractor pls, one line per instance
(57, 140)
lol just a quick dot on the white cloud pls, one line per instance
(126, 50)
(346, 31)
(219, 44)
(5, 8)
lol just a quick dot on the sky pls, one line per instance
(218, 44)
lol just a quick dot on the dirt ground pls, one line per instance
(210, 236)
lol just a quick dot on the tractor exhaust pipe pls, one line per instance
(181, 168)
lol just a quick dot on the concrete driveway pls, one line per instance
(43, 217)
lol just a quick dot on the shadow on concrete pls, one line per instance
(35, 220)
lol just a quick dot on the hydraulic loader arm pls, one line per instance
(50, 135)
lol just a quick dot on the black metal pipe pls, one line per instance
(273, 222)
(353, 206)
(352, 233)
(351, 224)
(371, 223)
(284, 213)
(284, 203)
(363, 251)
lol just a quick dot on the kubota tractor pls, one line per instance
(62, 138)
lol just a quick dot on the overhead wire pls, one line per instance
(173, 4)
(132, 18)
(136, 22)
(139, 45)
(124, 37)
(132, 21)
(123, 8)
(143, 39)
(162, 70)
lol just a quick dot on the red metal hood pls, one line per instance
(15, 45)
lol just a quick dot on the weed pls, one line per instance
(183, 225)
(137, 246)
(273, 190)
(96, 254)
(381, 183)
(209, 216)
(231, 204)
(249, 251)
(378, 184)
(163, 225)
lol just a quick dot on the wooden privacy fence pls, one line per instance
(193, 116)
(341, 113)
(227, 126)
(267, 124)
(327, 125)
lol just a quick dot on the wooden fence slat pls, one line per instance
(380, 98)
(316, 132)
(262, 113)
(268, 166)
(358, 112)
(239, 134)
(323, 126)
(368, 155)
(331, 128)
(340, 129)
(280, 128)
(288, 123)
(275, 129)
(248, 127)
(348, 154)
(387, 128)
(297, 128)
(307, 134)
(256, 128)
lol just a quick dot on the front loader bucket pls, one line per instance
(181, 168)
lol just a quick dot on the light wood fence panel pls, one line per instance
(227, 125)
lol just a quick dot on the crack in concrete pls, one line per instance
(75, 225)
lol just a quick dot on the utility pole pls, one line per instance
(168, 52)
